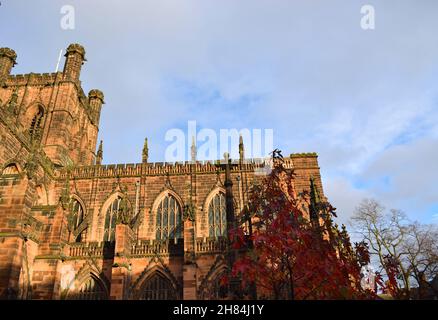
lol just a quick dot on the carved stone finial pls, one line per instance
(189, 212)
(99, 155)
(75, 48)
(75, 57)
(145, 153)
(193, 150)
(8, 59)
(241, 149)
(7, 52)
(96, 94)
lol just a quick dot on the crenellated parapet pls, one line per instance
(158, 168)
(34, 79)
(182, 168)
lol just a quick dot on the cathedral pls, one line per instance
(74, 228)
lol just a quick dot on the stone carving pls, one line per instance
(67, 277)
(65, 198)
(124, 212)
(189, 212)
(13, 105)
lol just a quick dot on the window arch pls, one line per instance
(11, 169)
(36, 124)
(216, 289)
(78, 216)
(158, 287)
(91, 289)
(111, 220)
(217, 217)
(169, 219)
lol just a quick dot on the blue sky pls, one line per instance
(366, 101)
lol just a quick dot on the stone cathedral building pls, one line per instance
(72, 228)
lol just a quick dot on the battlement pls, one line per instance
(184, 167)
(33, 79)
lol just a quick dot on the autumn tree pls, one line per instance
(294, 251)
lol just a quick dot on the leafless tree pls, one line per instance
(421, 255)
(412, 246)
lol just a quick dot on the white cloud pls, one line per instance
(344, 197)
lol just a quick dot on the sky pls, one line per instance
(365, 100)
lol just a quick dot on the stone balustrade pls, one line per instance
(211, 245)
(86, 249)
(151, 247)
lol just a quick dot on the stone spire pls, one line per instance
(99, 155)
(193, 150)
(241, 149)
(145, 153)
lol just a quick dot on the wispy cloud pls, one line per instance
(366, 101)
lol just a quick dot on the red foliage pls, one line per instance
(288, 256)
(391, 266)
(362, 253)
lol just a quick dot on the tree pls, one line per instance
(289, 256)
(421, 256)
(406, 252)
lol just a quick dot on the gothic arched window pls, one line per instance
(111, 220)
(35, 125)
(217, 217)
(219, 290)
(215, 288)
(77, 219)
(158, 287)
(11, 169)
(169, 220)
(91, 289)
